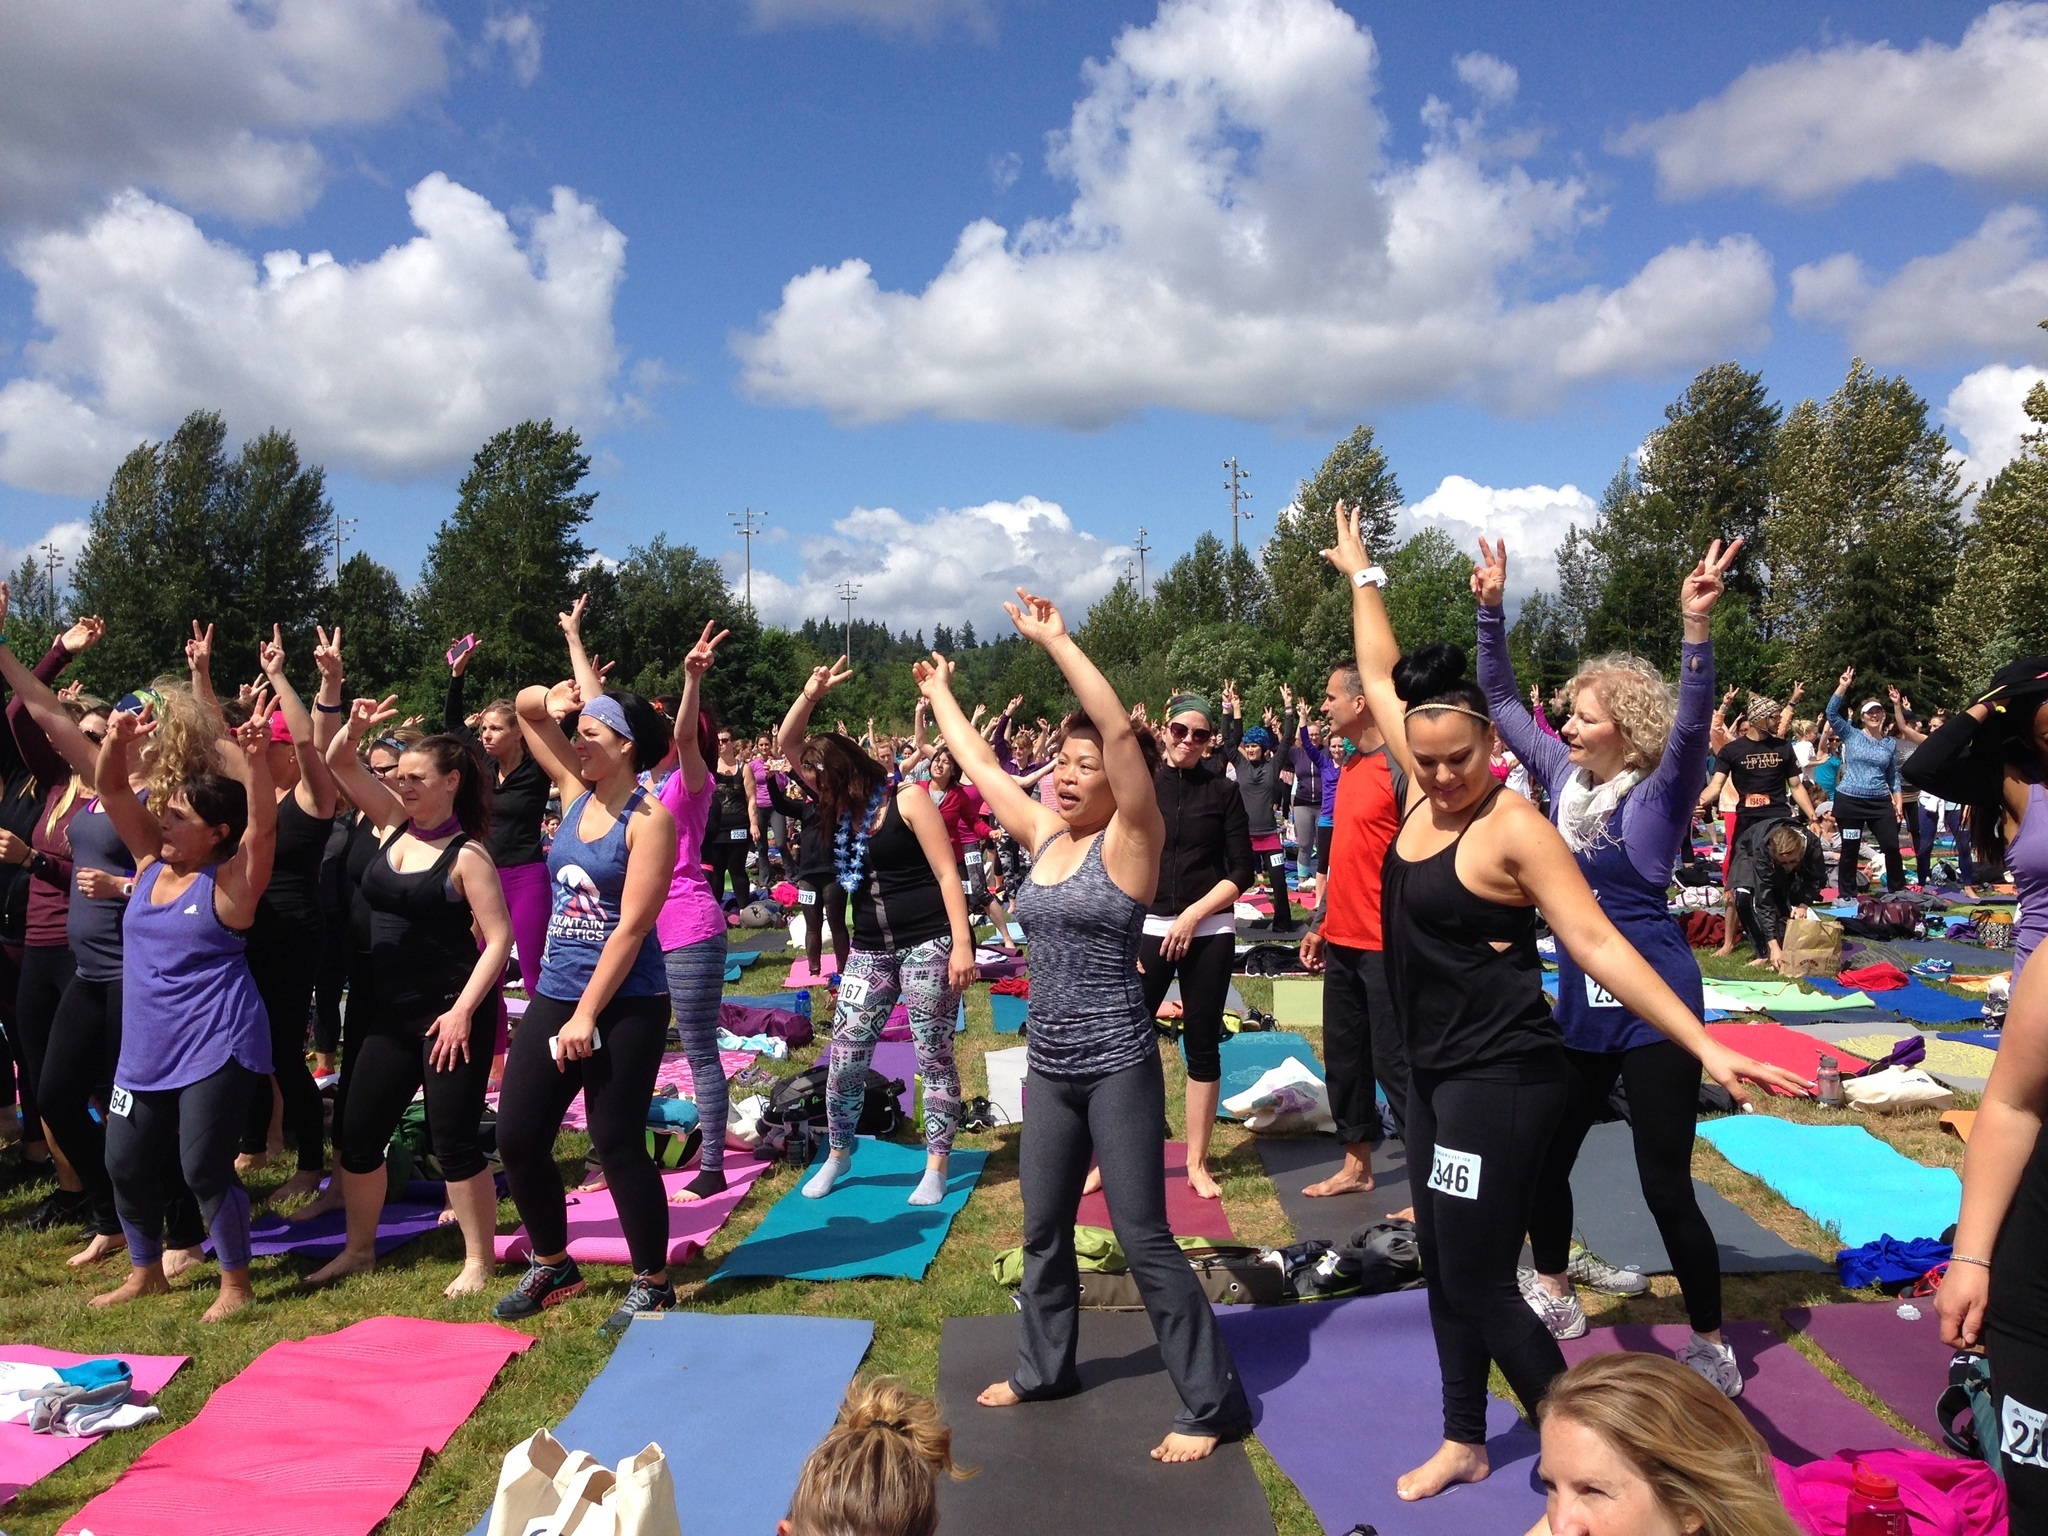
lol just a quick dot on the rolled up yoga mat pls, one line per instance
(1081, 1466)
(1842, 1176)
(25, 1456)
(316, 1437)
(1293, 1162)
(1900, 1361)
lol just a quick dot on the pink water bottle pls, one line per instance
(1874, 1507)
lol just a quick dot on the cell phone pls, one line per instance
(461, 648)
(555, 1045)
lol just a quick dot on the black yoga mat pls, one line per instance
(1293, 1161)
(1080, 1465)
(1613, 1220)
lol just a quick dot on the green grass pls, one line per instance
(44, 1301)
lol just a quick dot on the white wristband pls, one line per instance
(1371, 576)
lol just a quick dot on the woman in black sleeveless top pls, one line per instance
(429, 881)
(1462, 884)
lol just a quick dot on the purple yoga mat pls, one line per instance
(1346, 1397)
(897, 1059)
(1800, 1413)
(1903, 1364)
(322, 1237)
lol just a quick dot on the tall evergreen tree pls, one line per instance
(379, 640)
(1429, 592)
(1998, 610)
(1356, 473)
(1542, 651)
(1121, 629)
(1711, 462)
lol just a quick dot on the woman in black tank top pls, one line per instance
(1462, 884)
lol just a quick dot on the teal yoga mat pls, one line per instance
(737, 1403)
(864, 1227)
(1009, 1012)
(1248, 1057)
(1841, 1176)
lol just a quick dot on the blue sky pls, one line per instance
(1505, 235)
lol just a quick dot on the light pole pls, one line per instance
(52, 558)
(1235, 485)
(848, 591)
(341, 527)
(749, 522)
(1141, 547)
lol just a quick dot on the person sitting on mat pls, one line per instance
(1094, 1079)
(877, 1472)
(1637, 1445)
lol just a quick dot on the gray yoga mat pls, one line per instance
(1293, 1161)
(1080, 1465)
(1614, 1221)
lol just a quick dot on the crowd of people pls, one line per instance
(174, 860)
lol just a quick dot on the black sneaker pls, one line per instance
(541, 1287)
(643, 1295)
(27, 1171)
(60, 1208)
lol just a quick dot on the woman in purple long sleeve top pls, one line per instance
(1623, 778)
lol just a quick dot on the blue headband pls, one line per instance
(607, 711)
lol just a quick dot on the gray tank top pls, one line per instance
(1087, 1014)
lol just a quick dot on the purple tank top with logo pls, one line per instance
(188, 1003)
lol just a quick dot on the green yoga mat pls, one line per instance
(864, 1227)
(1298, 1001)
(1841, 1176)
(1775, 997)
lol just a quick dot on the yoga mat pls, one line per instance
(595, 1236)
(26, 1456)
(1080, 1466)
(1800, 1413)
(1785, 997)
(1614, 1220)
(1187, 1214)
(1959, 1123)
(1297, 1002)
(794, 1002)
(1841, 1176)
(1347, 1396)
(1294, 1161)
(674, 1069)
(1233, 1000)
(1987, 1038)
(742, 957)
(1778, 1046)
(1009, 1012)
(1249, 1057)
(897, 1061)
(1917, 1001)
(1901, 1363)
(737, 1403)
(316, 1437)
(864, 1227)
(1903, 952)
(1953, 1063)
(324, 1236)
(801, 974)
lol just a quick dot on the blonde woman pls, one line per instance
(877, 1473)
(1623, 774)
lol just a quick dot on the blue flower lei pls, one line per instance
(850, 847)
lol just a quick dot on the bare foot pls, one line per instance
(1180, 1447)
(101, 1247)
(1093, 1183)
(593, 1180)
(1001, 1395)
(140, 1282)
(301, 1184)
(1406, 1213)
(1755, 963)
(1452, 1463)
(446, 1219)
(475, 1276)
(1205, 1188)
(249, 1162)
(178, 1260)
(348, 1262)
(1340, 1184)
(329, 1199)
(1723, 954)
(234, 1295)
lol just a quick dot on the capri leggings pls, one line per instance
(617, 1083)
(194, 1129)
(284, 970)
(868, 989)
(822, 905)
(696, 983)
(1479, 1141)
(390, 1062)
(1204, 973)
(725, 857)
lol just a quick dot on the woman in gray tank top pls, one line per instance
(1095, 1085)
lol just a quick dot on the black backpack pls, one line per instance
(800, 1100)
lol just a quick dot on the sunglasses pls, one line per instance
(1200, 735)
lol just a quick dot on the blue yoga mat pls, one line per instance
(1248, 1057)
(1988, 1038)
(1009, 1012)
(737, 1403)
(1841, 1176)
(864, 1227)
(1916, 1001)
(795, 1002)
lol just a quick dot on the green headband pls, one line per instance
(1190, 703)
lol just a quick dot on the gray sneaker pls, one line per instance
(1716, 1362)
(1562, 1315)
(1587, 1268)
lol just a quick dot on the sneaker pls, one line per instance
(1562, 1315)
(1935, 970)
(60, 1208)
(1587, 1268)
(1716, 1362)
(541, 1287)
(642, 1296)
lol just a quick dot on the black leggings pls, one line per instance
(617, 1082)
(45, 973)
(284, 976)
(388, 1064)
(1663, 1083)
(1502, 1123)
(1204, 973)
(1857, 816)
(725, 856)
(78, 1072)
(192, 1129)
(337, 945)
(1274, 866)
(821, 905)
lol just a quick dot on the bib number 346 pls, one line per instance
(1455, 1173)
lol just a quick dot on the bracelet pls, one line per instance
(330, 709)
(1957, 1258)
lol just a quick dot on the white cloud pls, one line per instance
(1532, 519)
(212, 103)
(955, 566)
(1988, 291)
(394, 367)
(1239, 244)
(1818, 122)
(1986, 413)
(919, 17)
(68, 536)
(518, 33)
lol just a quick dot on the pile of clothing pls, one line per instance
(89, 1398)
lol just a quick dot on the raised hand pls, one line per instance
(365, 715)
(1848, 677)
(572, 621)
(1490, 573)
(327, 655)
(1892, 691)
(824, 679)
(1349, 553)
(460, 665)
(253, 734)
(83, 635)
(199, 650)
(1706, 581)
(705, 652)
(129, 728)
(934, 678)
(1798, 693)
(72, 691)
(270, 653)
(1036, 618)
(1011, 707)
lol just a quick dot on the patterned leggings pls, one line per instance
(868, 990)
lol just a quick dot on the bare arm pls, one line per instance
(650, 865)
(1026, 820)
(328, 714)
(239, 882)
(588, 680)
(545, 741)
(476, 879)
(46, 713)
(1372, 637)
(315, 792)
(369, 793)
(689, 757)
(789, 741)
(139, 831)
(922, 817)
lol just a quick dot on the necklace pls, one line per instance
(850, 844)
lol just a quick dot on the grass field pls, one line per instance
(42, 1301)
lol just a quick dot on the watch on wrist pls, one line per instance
(1371, 576)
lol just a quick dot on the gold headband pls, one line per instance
(1415, 709)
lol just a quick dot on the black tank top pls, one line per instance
(899, 904)
(289, 913)
(1462, 1003)
(421, 949)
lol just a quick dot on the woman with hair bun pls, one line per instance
(877, 1473)
(1623, 774)
(1464, 879)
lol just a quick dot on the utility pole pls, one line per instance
(848, 591)
(341, 527)
(1235, 485)
(748, 522)
(52, 558)
(1141, 547)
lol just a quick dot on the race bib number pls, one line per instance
(1277, 859)
(740, 835)
(120, 1102)
(853, 991)
(1598, 996)
(2021, 1431)
(807, 898)
(1455, 1173)
(974, 858)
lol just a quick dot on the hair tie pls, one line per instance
(1462, 709)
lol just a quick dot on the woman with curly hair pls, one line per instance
(1623, 775)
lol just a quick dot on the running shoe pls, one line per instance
(1587, 1268)
(1934, 970)
(1562, 1315)
(541, 1287)
(1716, 1362)
(60, 1208)
(642, 1296)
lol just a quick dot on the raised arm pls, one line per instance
(589, 681)
(369, 793)
(689, 757)
(315, 792)
(199, 662)
(1658, 814)
(1944, 764)
(545, 741)
(1838, 716)
(454, 715)
(789, 740)
(240, 881)
(1790, 711)
(329, 713)
(1902, 715)
(1372, 637)
(1548, 758)
(50, 741)
(139, 831)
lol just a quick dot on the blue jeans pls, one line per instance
(696, 983)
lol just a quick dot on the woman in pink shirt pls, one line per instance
(965, 814)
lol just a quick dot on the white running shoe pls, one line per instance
(1587, 1268)
(1562, 1315)
(1716, 1362)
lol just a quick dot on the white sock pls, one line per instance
(931, 1189)
(820, 1183)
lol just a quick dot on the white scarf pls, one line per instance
(1584, 807)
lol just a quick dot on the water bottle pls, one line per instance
(1830, 1082)
(1874, 1507)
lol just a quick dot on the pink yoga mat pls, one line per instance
(26, 1456)
(675, 1068)
(1186, 1213)
(595, 1236)
(1800, 1413)
(801, 974)
(316, 1437)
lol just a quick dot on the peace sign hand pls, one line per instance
(327, 655)
(824, 679)
(1705, 583)
(1349, 553)
(1490, 574)
(705, 651)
